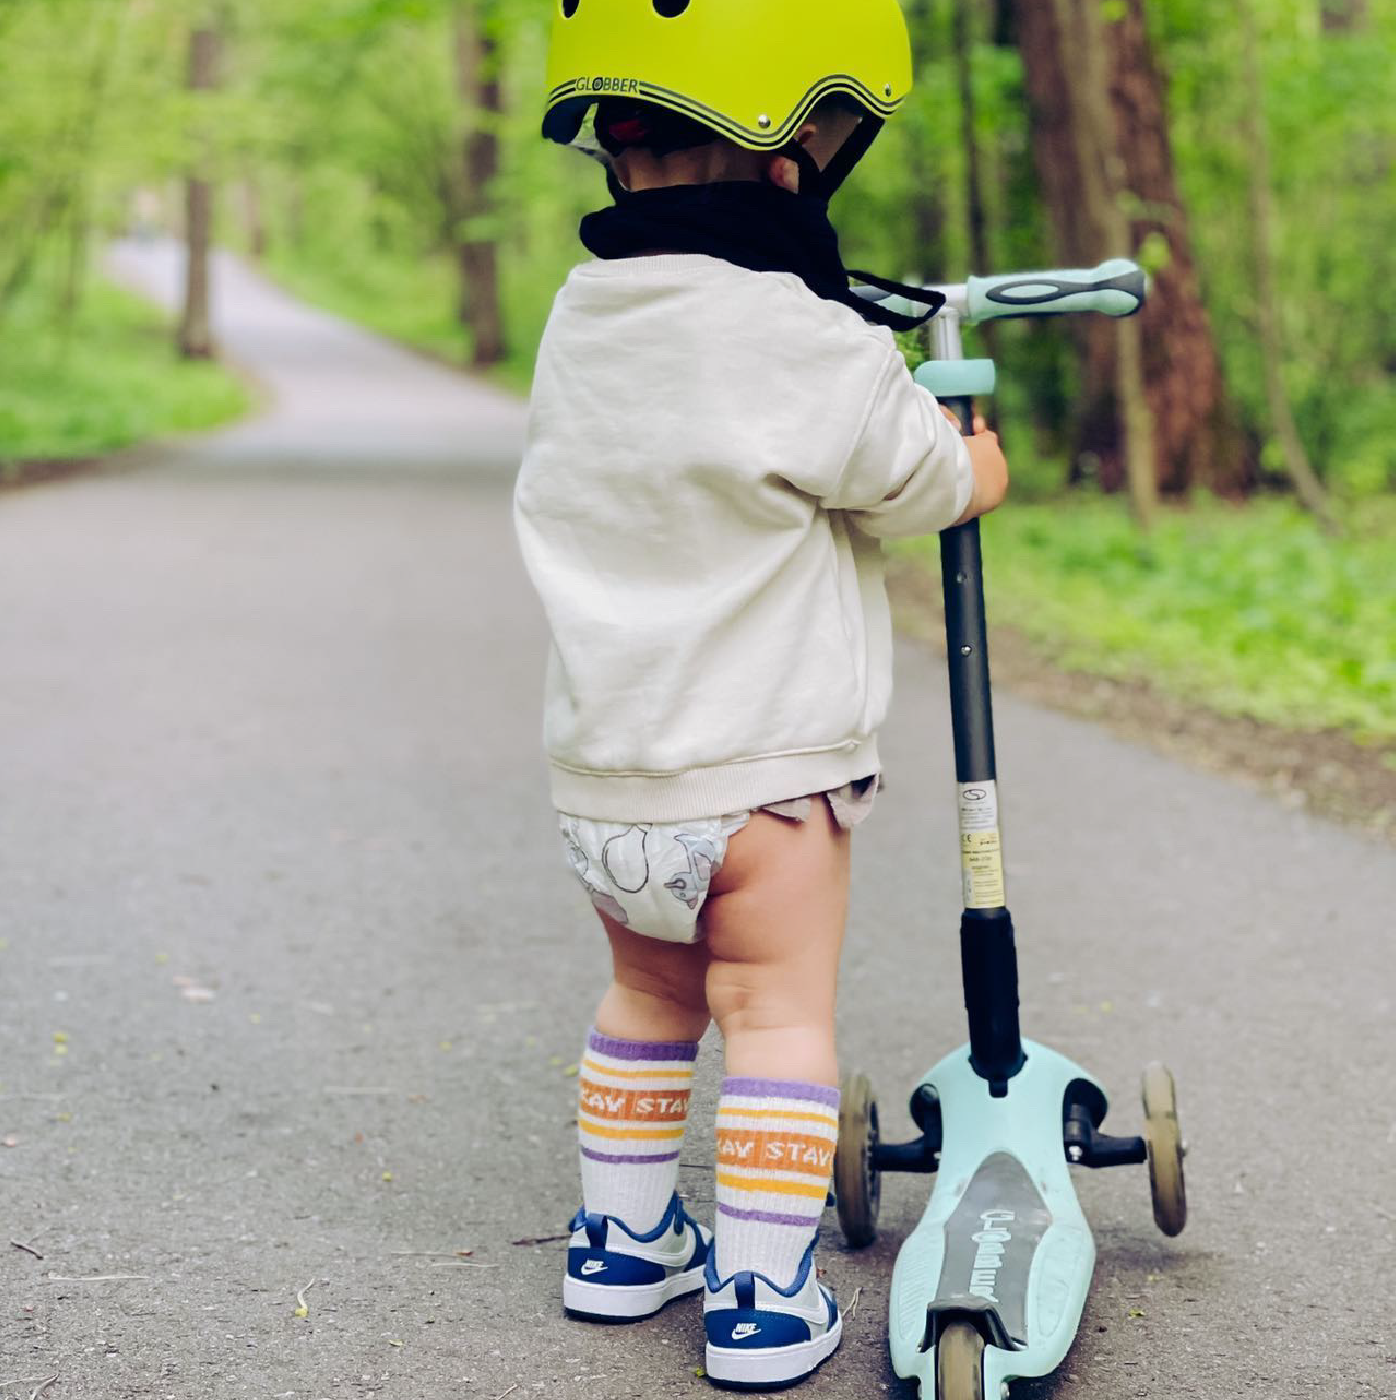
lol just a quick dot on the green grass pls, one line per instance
(1245, 610)
(408, 301)
(111, 381)
(412, 301)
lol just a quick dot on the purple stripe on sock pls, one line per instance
(768, 1217)
(637, 1160)
(643, 1049)
(781, 1089)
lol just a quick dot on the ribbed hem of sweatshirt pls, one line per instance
(710, 792)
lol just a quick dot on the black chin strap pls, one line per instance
(823, 184)
(759, 226)
(814, 182)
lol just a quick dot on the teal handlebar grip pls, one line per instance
(1117, 287)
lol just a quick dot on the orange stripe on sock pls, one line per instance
(634, 1105)
(646, 1134)
(827, 1118)
(774, 1150)
(764, 1185)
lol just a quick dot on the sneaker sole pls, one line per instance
(603, 1302)
(757, 1368)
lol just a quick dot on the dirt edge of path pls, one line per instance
(1325, 772)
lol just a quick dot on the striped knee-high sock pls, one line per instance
(632, 1104)
(775, 1144)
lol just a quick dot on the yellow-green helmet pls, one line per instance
(750, 70)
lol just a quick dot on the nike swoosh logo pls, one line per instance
(745, 1329)
(593, 1266)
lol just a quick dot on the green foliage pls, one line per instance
(109, 380)
(1330, 94)
(1250, 611)
(337, 138)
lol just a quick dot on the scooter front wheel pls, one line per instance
(960, 1351)
(1165, 1151)
(856, 1179)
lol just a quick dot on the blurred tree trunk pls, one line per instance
(929, 213)
(1342, 16)
(1310, 489)
(478, 76)
(979, 242)
(1082, 34)
(255, 226)
(195, 339)
(963, 40)
(83, 144)
(1110, 189)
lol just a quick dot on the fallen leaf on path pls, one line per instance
(301, 1309)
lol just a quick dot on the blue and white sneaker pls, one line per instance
(614, 1275)
(759, 1335)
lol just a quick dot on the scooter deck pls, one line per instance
(1003, 1235)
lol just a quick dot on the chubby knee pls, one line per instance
(730, 991)
(678, 986)
(752, 996)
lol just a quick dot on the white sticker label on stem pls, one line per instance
(984, 884)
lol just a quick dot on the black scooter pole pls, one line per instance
(990, 982)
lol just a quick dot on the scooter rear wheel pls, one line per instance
(1165, 1152)
(960, 1351)
(856, 1179)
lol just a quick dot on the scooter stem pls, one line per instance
(990, 981)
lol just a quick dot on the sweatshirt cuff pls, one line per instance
(963, 492)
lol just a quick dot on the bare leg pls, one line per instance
(658, 989)
(773, 927)
(635, 1079)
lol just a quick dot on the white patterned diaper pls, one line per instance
(651, 879)
(655, 879)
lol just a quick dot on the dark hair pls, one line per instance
(623, 124)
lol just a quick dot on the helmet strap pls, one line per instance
(814, 182)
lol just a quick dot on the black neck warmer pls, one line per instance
(750, 224)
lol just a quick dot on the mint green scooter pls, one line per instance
(992, 1283)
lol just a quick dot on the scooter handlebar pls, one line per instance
(1117, 287)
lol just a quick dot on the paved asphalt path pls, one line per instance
(277, 865)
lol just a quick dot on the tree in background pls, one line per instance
(390, 164)
(1107, 175)
(1310, 490)
(195, 336)
(476, 233)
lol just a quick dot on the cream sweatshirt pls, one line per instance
(713, 456)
